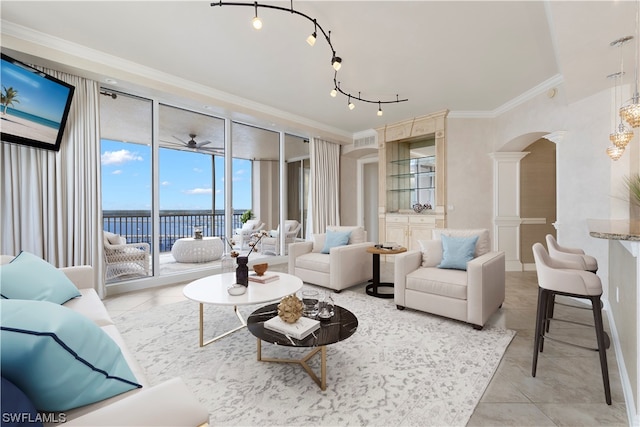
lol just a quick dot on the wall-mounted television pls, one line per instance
(34, 105)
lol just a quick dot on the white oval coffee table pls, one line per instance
(213, 290)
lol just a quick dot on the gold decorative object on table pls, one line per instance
(290, 309)
(260, 268)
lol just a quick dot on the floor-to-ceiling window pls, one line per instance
(188, 179)
(165, 171)
(126, 166)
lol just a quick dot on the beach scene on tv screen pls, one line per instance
(32, 106)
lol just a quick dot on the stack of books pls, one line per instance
(298, 330)
(265, 278)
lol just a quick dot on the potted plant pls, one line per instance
(246, 216)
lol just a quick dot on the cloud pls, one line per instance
(198, 170)
(165, 183)
(240, 172)
(119, 157)
(116, 172)
(199, 191)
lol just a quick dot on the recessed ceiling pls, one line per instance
(474, 56)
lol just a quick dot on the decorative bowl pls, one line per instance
(236, 289)
(260, 268)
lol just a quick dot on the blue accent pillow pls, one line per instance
(457, 251)
(30, 277)
(17, 409)
(335, 238)
(59, 358)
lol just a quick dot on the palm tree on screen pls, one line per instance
(8, 97)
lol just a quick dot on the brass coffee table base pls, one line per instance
(322, 382)
(202, 341)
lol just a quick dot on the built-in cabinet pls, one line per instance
(411, 179)
(406, 230)
(412, 159)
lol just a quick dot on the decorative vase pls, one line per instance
(242, 271)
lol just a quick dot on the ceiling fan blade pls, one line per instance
(200, 144)
(184, 142)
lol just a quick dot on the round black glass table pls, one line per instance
(339, 327)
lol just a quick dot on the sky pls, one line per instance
(36, 95)
(185, 179)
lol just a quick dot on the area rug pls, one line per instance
(400, 368)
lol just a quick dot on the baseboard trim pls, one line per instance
(632, 414)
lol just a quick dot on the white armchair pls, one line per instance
(271, 244)
(471, 296)
(342, 267)
(243, 235)
(122, 258)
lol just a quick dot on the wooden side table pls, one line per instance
(372, 288)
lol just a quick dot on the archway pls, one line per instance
(508, 218)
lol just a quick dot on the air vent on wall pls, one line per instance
(367, 141)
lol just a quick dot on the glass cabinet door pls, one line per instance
(411, 175)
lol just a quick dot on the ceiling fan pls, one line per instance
(192, 142)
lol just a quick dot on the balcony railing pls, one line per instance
(136, 226)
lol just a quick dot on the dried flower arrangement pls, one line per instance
(255, 239)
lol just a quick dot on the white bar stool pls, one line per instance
(556, 277)
(571, 255)
(587, 262)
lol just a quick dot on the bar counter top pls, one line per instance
(615, 229)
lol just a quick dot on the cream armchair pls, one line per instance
(471, 296)
(122, 258)
(342, 267)
(243, 235)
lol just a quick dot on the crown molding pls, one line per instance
(541, 88)
(98, 57)
(87, 54)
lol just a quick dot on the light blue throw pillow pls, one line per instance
(335, 238)
(457, 251)
(59, 358)
(30, 277)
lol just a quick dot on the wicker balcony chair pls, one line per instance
(124, 259)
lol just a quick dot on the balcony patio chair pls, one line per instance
(122, 258)
(271, 244)
(243, 235)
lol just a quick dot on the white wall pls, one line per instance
(470, 173)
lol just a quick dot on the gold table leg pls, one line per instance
(202, 341)
(322, 381)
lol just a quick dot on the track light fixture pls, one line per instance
(336, 61)
(256, 22)
(312, 38)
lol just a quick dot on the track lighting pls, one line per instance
(257, 23)
(312, 38)
(336, 61)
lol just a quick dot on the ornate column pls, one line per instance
(506, 206)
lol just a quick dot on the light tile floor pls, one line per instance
(567, 390)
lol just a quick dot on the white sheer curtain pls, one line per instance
(50, 201)
(324, 197)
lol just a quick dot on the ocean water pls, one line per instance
(136, 226)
